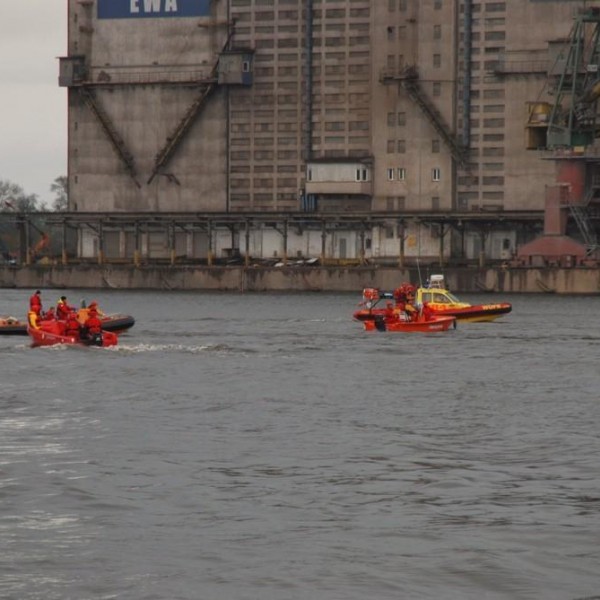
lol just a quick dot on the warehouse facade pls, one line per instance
(404, 109)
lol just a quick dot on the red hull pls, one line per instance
(479, 312)
(51, 333)
(433, 325)
(115, 323)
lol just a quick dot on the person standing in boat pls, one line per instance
(35, 302)
(426, 311)
(410, 307)
(400, 303)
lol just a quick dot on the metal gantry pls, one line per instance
(240, 225)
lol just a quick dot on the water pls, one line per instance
(264, 447)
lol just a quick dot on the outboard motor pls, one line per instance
(96, 339)
(380, 323)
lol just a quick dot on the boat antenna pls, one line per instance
(419, 271)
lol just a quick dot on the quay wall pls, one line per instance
(297, 278)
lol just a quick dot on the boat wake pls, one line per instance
(175, 348)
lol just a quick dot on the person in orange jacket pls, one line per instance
(72, 328)
(427, 311)
(49, 314)
(93, 324)
(63, 309)
(35, 301)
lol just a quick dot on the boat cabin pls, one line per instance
(435, 292)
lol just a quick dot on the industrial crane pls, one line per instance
(573, 119)
(573, 125)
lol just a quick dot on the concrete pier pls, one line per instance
(298, 278)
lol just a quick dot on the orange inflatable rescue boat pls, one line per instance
(399, 313)
(52, 332)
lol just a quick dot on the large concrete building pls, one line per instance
(396, 108)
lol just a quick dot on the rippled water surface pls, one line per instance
(264, 447)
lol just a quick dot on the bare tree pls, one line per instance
(60, 189)
(13, 198)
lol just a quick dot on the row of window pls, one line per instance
(399, 146)
(399, 174)
(393, 203)
(245, 155)
(292, 2)
(393, 174)
(402, 5)
(401, 30)
(487, 7)
(329, 42)
(394, 61)
(361, 56)
(262, 183)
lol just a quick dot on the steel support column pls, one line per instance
(323, 242)
(402, 239)
(362, 245)
(101, 243)
(136, 252)
(482, 251)
(441, 247)
(171, 234)
(247, 250)
(27, 242)
(210, 256)
(64, 258)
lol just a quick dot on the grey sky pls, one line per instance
(33, 109)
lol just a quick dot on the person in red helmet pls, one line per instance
(93, 325)
(72, 327)
(35, 302)
(94, 306)
(409, 307)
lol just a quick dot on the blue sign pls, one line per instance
(144, 9)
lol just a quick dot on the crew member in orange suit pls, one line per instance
(93, 324)
(63, 309)
(35, 302)
(72, 326)
(427, 311)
